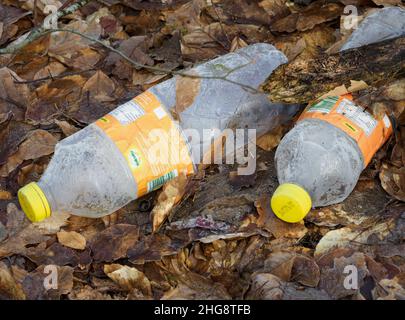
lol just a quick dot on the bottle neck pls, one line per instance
(49, 196)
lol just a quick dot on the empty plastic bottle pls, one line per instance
(319, 161)
(383, 24)
(107, 164)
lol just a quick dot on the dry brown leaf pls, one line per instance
(237, 43)
(129, 278)
(66, 127)
(354, 237)
(342, 90)
(114, 242)
(306, 45)
(316, 13)
(39, 143)
(393, 180)
(100, 87)
(53, 98)
(271, 140)
(33, 283)
(135, 48)
(5, 195)
(64, 44)
(9, 15)
(88, 293)
(84, 59)
(187, 90)
(269, 221)
(193, 286)
(72, 239)
(291, 266)
(9, 288)
(387, 3)
(333, 273)
(266, 286)
(13, 96)
(52, 69)
(171, 194)
(22, 233)
(391, 289)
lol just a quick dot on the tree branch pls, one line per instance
(38, 32)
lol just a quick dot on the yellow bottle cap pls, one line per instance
(33, 202)
(290, 202)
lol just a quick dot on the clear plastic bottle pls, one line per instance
(319, 161)
(103, 167)
(383, 24)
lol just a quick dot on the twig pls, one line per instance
(38, 32)
(158, 69)
(52, 77)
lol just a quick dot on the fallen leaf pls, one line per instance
(269, 221)
(266, 286)
(393, 180)
(9, 288)
(316, 13)
(5, 195)
(134, 48)
(171, 194)
(33, 283)
(361, 237)
(39, 143)
(333, 277)
(66, 127)
(72, 239)
(57, 254)
(100, 87)
(51, 70)
(8, 16)
(290, 266)
(391, 289)
(55, 98)
(14, 96)
(192, 286)
(187, 90)
(237, 43)
(114, 242)
(88, 293)
(271, 140)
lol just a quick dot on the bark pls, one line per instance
(304, 81)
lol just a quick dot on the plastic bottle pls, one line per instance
(319, 161)
(383, 24)
(104, 166)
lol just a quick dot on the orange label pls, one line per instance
(369, 133)
(151, 142)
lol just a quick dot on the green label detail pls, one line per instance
(134, 159)
(324, 106)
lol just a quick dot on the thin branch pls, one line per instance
(38, 32)
(52, 77)
(158, 69)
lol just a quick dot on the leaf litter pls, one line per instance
(210, 237)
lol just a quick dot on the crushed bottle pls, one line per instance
(319, 161)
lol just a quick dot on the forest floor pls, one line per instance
(214, 235)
